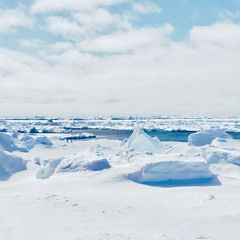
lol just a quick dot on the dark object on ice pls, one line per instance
(80, 137)
(3, 130)
(33, 130)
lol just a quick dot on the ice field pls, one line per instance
(66, 184)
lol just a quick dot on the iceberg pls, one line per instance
(141, 142)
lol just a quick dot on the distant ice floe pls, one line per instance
(81, 136)
(205, 137)
(61, 125)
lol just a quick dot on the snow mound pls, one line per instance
(227, 144)
(223, 151)
(141, 142)
(8, 143)
(226, 170)
(31, 142)
(221, 156)
(205, 137)
(173, 171)
(10, 164)
(82, 161)
(48, 168)
(91, 159)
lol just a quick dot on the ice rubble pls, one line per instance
(87, 160)
(152, 163)
(141, 142)
(10, 164)
(205, 137)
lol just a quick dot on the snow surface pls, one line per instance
(53, 191)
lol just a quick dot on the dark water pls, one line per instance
(179, 136)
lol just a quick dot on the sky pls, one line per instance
(120, 57)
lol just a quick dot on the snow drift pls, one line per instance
(29, 142)
(223, 151)
(87, 160)
(141, 142)
(82, 161)
(47, 169)
(173, 170)
(205, 137)
(8, 143)
(10, 164)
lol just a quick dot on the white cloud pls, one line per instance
(12, 18)
(222, 34)
(101, 19)
(61, 46)
(198, 77)
(147, 8)
(46, 6)
(228, 15)
(125, 41)
(63, 26)
(34, 43)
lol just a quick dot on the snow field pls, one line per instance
(65, 194)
